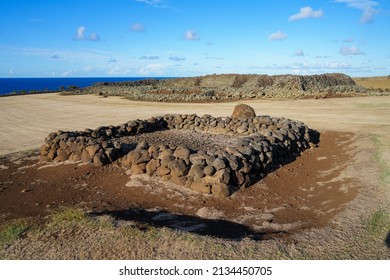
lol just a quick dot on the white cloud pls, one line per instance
(88, 68)
(69, 58)
(152, 69)
(299, 53)
(277, 36)
(191, 35)
(161, 4)
(11, 72)
(67, 73)
(118, 71)
(149, 57)
(306, 12)
(353, 50)
(337, 65)
(328, 65)
(176, 58)
(214, 58)
(137, 27)
(94, 37)
(80, 35)
(151, 2)
(366, 6)
(309, 67)
(349, 40)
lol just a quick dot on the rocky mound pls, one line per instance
(230, 87)
(209, 154)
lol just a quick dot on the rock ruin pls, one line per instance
(214, 155)
(229, 87)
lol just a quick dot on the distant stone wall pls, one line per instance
(230, 87)
(260, 144)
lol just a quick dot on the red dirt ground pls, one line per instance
(303, 194)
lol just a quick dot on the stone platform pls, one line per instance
(214, 155)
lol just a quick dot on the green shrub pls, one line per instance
(12, 231)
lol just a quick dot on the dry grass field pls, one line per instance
(382, 83)
(345, 182)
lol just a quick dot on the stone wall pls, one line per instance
(261, 143)
(230, 87)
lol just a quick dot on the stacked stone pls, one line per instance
(230, 87)
(276, 130)
(263, 143)
(99, 146)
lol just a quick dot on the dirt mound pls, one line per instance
(231, 87)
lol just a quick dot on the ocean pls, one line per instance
(25, 85)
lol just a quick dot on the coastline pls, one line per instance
(12, 94)
(22, 86)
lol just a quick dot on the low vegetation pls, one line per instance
(67, 215)
(12, 231)
(376, 226)
(379, 158)
(73, 234)
(378, 223)
(375, 83)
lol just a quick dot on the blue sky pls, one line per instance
(137, 38)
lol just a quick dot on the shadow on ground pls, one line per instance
(387, 240)
(206, 227)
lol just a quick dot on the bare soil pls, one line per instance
(303, 194)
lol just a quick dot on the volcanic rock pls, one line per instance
(243, 111)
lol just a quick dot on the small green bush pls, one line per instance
(378, 222)
(11, 231)
(67, 215)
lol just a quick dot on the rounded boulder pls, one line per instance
(243, 111)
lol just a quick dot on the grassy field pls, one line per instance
(362, 231)
(72, 234)
(382, 83)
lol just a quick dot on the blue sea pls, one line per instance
(25, 85)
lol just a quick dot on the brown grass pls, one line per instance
(75, 235)
(103, 238)
(382, 83)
